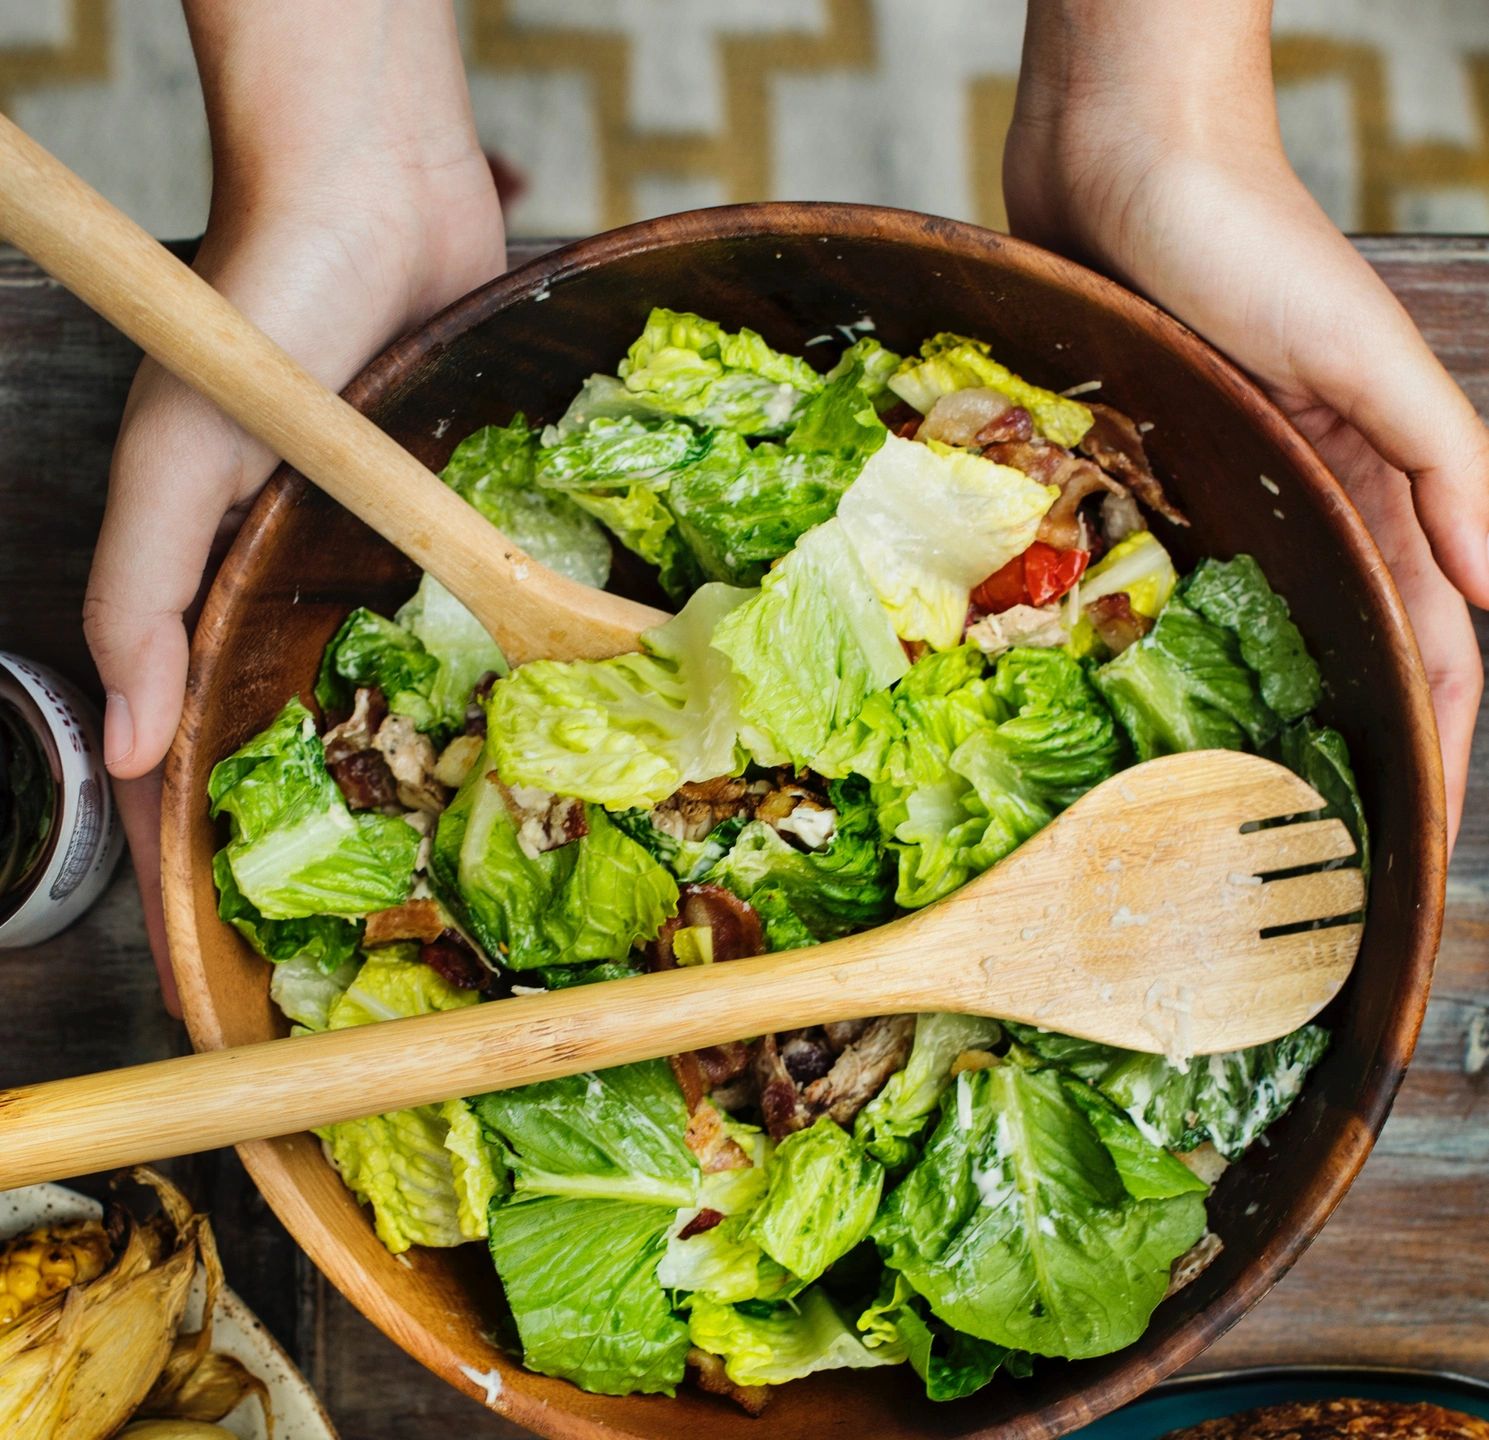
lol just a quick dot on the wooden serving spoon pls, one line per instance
(172, 314)
(1138, 918)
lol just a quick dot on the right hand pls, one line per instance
(332, 267)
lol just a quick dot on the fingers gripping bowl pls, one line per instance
(1246, 481)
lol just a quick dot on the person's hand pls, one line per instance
(333, 232)
(1186, 196)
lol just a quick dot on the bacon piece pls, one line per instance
(704, 1220)
(688, 1073)
(903, 419)
(714, 1379)
(781, 1104)
(960, 416)
(452, 959)
(369, 710)
(365, 781)
(860, 1071)
(1061, 526)
(1116, 622)
(413, 920)
(735, 925)
(715, 1148)
(1014, 423)
(1116, 444)
(723, 1063)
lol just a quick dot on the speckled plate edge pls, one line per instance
(1189, 1399)
(236, 1330)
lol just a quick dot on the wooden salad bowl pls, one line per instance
(795, 272)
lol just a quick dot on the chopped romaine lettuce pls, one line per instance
(599, 1169)
(494, 470)
(686, 859)
(1321, 757)
(606, 1135)
(811, 646)
(682, 364)
(929, 522)
(739, 507)
(589, 899)
(965, 766)
(305, 991)
(1017, 1228)
(626, 731)
(616, 454)
(1224, 1100)
(890, 1125)
(296, 850)
(477, 1169)
(845, 886)
(771, 1344)
(398, 1162)
(581, 1279)
(841, 418)
(1235, 594)
(463, 652)
(323, 942)
(951, 1364)
(601, 397)
(823, 1193)
(1185, 686)
(953, 362)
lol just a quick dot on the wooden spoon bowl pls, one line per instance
(795, 273)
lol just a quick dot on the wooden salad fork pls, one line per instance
(173, 315)
(1142, 917)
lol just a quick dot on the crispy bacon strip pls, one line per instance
(711, 1143)
(781, 1105)
(1116, 444)
(1116, 622)
(365, 781)
(452, 959)
(737, 932)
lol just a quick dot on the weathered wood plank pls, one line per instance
(1401, 1274)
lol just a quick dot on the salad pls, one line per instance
(920, 611)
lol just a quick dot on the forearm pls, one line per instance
(1189, 70)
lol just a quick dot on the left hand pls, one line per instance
(1210, 221)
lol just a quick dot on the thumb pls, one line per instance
(176, 470)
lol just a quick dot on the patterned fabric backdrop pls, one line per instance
(613, 110)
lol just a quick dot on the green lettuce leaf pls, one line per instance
(463, 652)
(626, 731)
(739, 508)
(964, 766)
(951, 1364)
(607, 1135)
(784, 928)
(614, 454)
(684, 365)
(841, 418)
(601, 397)
(305, 991)
(811, 645)
(1321, 757)
(296, 850)
(478, 1170)
(495, 470)
(598, 1169)
(769, 1345)
(823, 1193)
(1017, 1228)
(1148, 1171)
(591, 899)
(1186, 686)
(581, 1279)
(398, 1162)
(890, 1125)
(686, 859)
(954, 362)
(1226, 1100)
(324, 942)
(928, 522)
(1235, 594)
(846, 886)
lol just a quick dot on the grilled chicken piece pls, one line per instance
(860, 1071)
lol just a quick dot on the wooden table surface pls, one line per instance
(1399, 1276)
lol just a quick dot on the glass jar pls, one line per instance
(59, 834)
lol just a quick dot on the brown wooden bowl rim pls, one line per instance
(269, 1162)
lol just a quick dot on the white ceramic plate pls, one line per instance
(236, 1331)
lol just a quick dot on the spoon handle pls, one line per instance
(278, 1087)
(111, 264)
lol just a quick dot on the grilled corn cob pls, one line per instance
(45, 1261)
